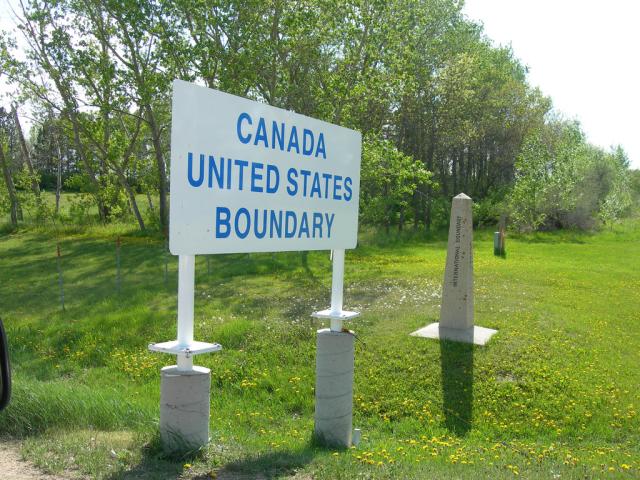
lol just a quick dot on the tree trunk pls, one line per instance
(13, 198)
(58, 172)
(464, 170)
(461, 171)
(427, 215)
(444, 174)
(417, 207)
(162, 169)
(430, 156)
(149, 200)
(102, 209)
(275, 40)
(70, 113)
(454, 172)
(132, 197)
(25, 153)
(468, 173)
(58, 184)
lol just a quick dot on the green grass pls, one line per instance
(555, 392)
(78, 214)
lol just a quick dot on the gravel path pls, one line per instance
(12, 467)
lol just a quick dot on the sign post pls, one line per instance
(248, 177)
(335, 356)
(185, 388)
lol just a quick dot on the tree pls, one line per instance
(388, 181)
(562, 181)
(128, 31)
(14, 206)
(418, 75)
(46, 72)
(24, 150)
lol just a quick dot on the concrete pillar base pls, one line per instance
(475, 335)
(184, 408)
(334, 387)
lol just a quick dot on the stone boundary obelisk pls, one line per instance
(456, 311)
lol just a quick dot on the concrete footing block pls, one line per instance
(334, 387)
(184, 408)
(475, 335)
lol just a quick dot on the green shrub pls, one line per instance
(563, 182)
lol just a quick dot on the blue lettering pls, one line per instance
(293, 140)
(272, 172)
(245, 232)
(317, 224)
(304, 225)
(277, 135)
(215, 171)
(258, 233)
(241, 117)
(289, 233)
(305, 174)
(256, 176)
(241, 164)
(222, 220)
(347, 188)
(292, 177)
(198, 182)
(261, 133)
(228, 172)
(327, 177)
(329, 223)
(337, 186)
(321, 147)
(307, 146)
(315, 187)
(275, 224)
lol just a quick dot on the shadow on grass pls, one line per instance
(157, 465)
(152, 467)
(30, 269)
(267, 465)
(456, 361)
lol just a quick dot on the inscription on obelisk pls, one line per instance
(457, 290)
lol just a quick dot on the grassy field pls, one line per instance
(76, 209)
(555, 394)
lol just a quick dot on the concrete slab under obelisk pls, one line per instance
(456, 311)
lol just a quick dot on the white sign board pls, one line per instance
(248, 177)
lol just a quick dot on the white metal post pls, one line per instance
(334, 365)
(186, 295)
(184, 388)
(337, 286)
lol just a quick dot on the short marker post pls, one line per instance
(185, 388)
(334, 367)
